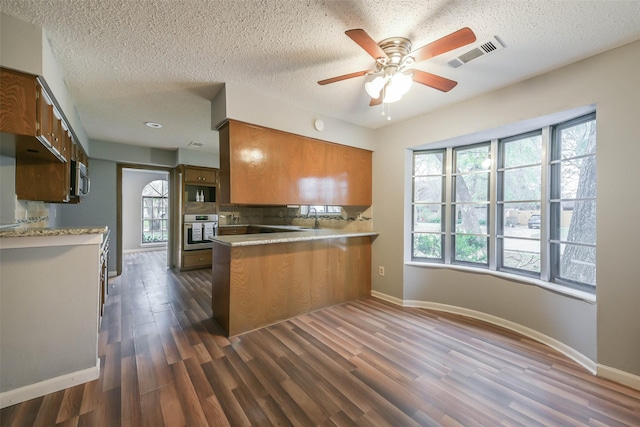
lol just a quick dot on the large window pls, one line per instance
(525, 204)
(155, 208)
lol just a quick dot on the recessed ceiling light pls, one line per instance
(153, 125)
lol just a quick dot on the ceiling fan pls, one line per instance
(393, 61)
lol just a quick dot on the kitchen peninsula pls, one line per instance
(50, 301)
(260, 279)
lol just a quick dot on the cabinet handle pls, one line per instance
(200, 259)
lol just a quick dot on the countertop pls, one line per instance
(300, 234)
(52, 231)
(35, 237)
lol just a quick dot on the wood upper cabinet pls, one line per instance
(36, 131)
(18, 106)
(261, 166)
(200, 176)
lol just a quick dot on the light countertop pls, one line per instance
(51, 231)
(300, 235)
(15, 238)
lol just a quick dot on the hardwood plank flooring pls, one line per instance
(164, 362)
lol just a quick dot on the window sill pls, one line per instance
(559, 289)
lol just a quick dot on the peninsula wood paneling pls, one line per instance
(263, 284)
(261, 166)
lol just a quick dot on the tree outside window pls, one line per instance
(155, 208)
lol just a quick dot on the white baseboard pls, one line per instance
(570, 352)
(31, 391)
(619, 376)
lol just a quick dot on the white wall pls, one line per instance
(233, 102)
(133, 181)
(608, 333)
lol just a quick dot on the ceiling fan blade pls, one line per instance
(344, 77)
(375, 101)
(431, 80)
(366, 42)
(454, 40)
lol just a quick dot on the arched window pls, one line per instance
(155, 212)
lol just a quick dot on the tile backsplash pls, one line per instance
(351, 218)
(31, 214)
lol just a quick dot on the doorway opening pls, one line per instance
(145, 215)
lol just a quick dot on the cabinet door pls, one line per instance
(260, 166)
(349, 176)
(46, 122)
(200, 176)
(18, 103)
(196, 259)
(259, 171)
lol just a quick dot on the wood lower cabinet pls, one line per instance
(232, 230)
(192, 260)
(262, 166)
(255, 286)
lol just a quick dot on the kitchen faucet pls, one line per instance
(316, 224)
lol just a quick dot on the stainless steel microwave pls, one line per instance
(80, 183)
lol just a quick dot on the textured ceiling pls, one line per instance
(126, 62)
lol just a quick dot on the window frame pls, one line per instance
(549, 274)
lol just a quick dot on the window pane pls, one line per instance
(578, 263)
(521, 254)
(472, 188)
(517, 219)
(521, 152)
(578, 222)
(522, 183)
(471, 218)
(472, 159)
(578, 178)
(427, 217)
(471, 249)
(428, 189)
(427, 245)
(428, 164)
(578, 140)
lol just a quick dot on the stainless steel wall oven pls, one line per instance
(198, 229)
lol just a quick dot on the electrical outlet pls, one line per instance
(381, 270)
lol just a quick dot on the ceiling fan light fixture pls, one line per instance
(374, 87)
(398, 85)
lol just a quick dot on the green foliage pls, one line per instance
(148, 238)
(471, 249)
(427, 245)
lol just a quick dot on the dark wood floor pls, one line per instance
(365, 363)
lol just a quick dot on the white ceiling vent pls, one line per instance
(492, 45)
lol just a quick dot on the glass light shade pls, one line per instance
(402, 82)
(374, 87)
(391, 94)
